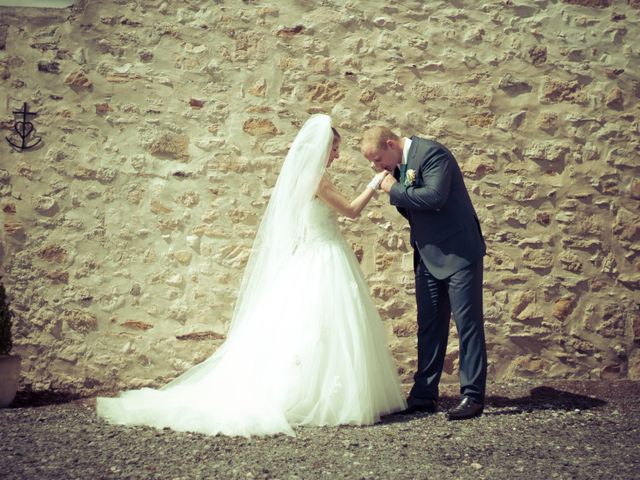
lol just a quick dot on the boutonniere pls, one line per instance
(410, 177)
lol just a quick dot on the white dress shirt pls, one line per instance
(405, 150)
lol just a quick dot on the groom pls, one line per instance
(427, 188)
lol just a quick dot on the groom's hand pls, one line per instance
(388, 182)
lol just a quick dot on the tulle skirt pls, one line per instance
(314, 352)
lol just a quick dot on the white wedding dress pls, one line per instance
(306, 346)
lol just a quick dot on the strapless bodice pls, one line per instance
(320, 222)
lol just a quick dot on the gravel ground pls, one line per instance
(530, 430)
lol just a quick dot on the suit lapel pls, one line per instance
(411, 156)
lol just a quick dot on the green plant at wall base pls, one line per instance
(5, 323)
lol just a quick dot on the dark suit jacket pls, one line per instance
(444, 225)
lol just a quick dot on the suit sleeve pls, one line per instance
(436, 184)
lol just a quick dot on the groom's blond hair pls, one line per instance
(376, 137)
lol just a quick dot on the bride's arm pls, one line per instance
(332, 197)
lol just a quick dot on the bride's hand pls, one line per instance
(375, 182)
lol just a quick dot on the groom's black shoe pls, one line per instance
(424, 405)
(468, 408)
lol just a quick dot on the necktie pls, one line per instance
(403, 172)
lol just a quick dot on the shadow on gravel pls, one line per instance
(542, 398)
(539, 398)
(42, 398)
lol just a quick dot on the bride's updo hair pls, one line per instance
(336, 135)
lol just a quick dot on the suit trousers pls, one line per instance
(437, 299)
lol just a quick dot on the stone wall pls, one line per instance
(164, 124)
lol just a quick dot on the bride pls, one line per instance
(306, 345)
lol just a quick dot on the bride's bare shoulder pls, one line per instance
(325, 183)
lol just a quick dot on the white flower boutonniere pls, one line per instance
(410, 177)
